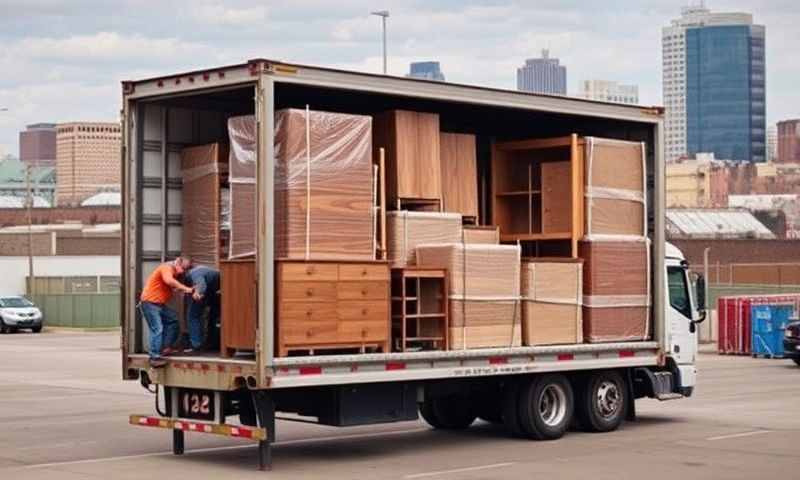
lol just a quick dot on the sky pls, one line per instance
(63, 60)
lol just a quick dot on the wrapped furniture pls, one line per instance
(242, 186)
(616, 290)
(406, 230)
(481, 234)
(202, 167)
(484, 285)
(552, 294)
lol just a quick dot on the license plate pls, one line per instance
(196, 404)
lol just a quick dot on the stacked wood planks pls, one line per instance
(552, 294)
(406, 230)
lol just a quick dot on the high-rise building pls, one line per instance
(788, 141)
(426, 70)
(772, 143)
(608, 91)
(37, 145)
(542, 75)
(714, 85)
(87, 160)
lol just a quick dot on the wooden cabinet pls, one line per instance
(459, 165)
(332, 305)
(420, 318)
(239, 305)
(537, 188)
(411, 144)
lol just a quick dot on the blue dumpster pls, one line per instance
(768, 324)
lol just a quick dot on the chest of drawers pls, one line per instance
(332, 305)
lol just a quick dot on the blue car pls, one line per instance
(18, 313)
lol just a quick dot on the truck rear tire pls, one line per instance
(451, 412)
(510, 410)
(546, 406)
(602, 402)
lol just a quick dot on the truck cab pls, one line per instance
(685, 302)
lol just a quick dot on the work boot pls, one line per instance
(157, 362)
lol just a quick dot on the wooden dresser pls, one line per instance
(239, 305)
(332, 305)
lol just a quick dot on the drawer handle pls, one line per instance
(364, 332)
(364, 311)
(309, 332)
(309, 313)
(364, 271)
(310, 292)
(363, 291)
(310, 270)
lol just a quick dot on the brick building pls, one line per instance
(87, 160)
(788, 150)
(37, 145)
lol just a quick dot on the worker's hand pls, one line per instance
(189, 291)
(196, 297)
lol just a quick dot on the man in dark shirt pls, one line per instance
(205, 283)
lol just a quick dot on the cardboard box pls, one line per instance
(476, 234)
(552, 294)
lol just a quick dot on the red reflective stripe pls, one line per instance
(310, 370)
(566, 356)
(497, 360)
(396, 366)
(626, 353)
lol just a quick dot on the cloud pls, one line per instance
(230, 16)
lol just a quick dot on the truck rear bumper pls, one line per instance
(237, 431)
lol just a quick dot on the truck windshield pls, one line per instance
(15, 302)
(678, 291)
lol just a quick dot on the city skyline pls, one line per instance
(72, 71)
(543, 74)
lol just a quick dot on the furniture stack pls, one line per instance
(551, 301)
(616, 250)
(242, 189)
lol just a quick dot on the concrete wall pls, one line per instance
(15, 269)
(16, 244)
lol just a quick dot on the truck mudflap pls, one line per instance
(182, 425)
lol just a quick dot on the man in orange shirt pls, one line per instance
(161, 320)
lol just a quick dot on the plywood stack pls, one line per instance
(552, 294)
(406, 230)
(242, 190)
(323, 186)
(201, 167)
(484, 285)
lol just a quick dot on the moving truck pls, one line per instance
(536, 391)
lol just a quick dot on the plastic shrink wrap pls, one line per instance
(201, 167)
(484, 282)
(242, 187)
(552, 295)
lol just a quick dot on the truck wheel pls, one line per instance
(602, 402)
(545, 407)
(3, 328)
(510, 410)
(36, 329)
(429, 414)
(453, 412)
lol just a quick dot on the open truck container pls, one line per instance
(600, 380)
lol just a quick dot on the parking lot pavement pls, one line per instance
(64, 412)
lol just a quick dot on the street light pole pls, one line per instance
(29, 202)
(384, 14)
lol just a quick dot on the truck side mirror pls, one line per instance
(701, 293)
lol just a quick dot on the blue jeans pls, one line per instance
(196, 310)
(163, 325)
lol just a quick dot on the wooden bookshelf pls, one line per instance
(419, 309)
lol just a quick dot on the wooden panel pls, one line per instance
(556, 198)
(366, 310)
(429, 170)
(460, 182)
(300, 271)
(239, 313)
(405, 140)
(362, 291)
(364, 331)
(551, 324)
(301, 333)
(364, 271)
(291, 313)
(307, 291)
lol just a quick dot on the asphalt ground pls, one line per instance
(64, 414)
